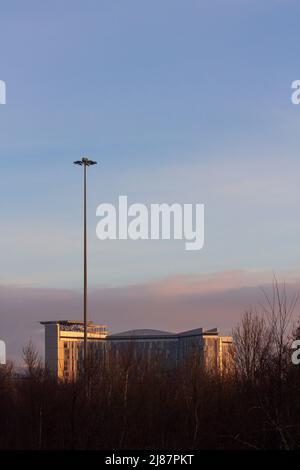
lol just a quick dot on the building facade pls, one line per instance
(63, 340)
(64, 347)
(212, 349)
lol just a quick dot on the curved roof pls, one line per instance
(143, 332)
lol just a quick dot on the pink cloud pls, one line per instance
(208, 283)
(177, 303)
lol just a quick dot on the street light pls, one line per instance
(85, 162)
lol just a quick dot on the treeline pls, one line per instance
(255, 404)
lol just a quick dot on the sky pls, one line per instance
(186, 102)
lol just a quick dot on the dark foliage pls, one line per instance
(138, 405)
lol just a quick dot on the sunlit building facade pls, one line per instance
(64, 347)
(63, 340)
(211, 349)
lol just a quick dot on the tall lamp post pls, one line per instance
(85, 162)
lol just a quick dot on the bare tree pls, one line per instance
(251, 346)
(32, 359)
(278, 309)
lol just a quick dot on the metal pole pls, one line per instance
(85, 276)
(85, 162)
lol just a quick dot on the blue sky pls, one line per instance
(180, 102)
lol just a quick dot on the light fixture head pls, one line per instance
(85, 161)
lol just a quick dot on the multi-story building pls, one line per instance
(173, 349)
(64, 340)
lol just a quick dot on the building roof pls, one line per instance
(69, 322)
(135, 334)
(149, 334)
(143, 332)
